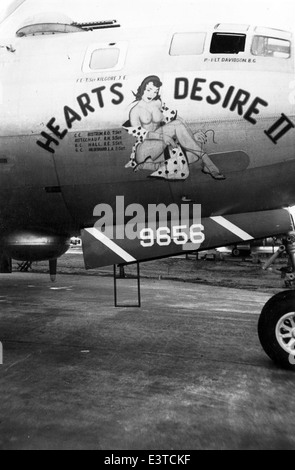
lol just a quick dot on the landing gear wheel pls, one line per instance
(276, 329)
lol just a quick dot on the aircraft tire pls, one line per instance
(276, 329)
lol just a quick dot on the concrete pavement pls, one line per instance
(186, 371)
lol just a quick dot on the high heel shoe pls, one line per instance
(215, 174)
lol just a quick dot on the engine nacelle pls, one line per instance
(35, 246)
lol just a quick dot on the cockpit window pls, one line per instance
(227, 43)
(188, 44)
(271, 47)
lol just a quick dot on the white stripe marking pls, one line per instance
(232, 228)
(111, 245)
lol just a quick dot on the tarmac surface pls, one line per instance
(184, 372)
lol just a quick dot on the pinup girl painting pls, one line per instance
(164, 142)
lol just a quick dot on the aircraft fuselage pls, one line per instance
(64, 146)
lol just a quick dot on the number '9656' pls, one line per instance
(179, 234)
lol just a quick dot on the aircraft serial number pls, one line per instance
(178, 234)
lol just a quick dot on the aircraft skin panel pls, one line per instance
(11, 9)
(263, 188)
(87, 181)
(30, 190)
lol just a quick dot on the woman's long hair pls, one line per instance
(151, 79)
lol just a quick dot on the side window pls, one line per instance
(271, 47)
(187, 44)
(227, 43)
(105, 57)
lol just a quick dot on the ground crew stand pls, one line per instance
(122, 276)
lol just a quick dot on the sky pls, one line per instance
(272, 13)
